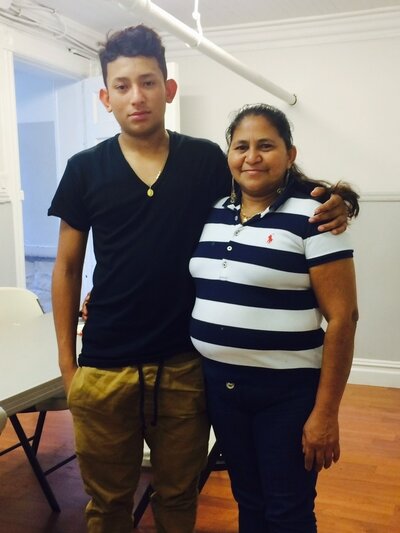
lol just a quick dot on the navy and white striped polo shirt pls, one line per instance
(255, 305)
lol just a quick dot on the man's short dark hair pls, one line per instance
(131, 42)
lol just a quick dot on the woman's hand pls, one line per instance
(84, 309)
(320, 441)
(333, 214)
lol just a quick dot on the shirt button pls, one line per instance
(236, 218)
(229, 248)
(236, 232)
(230, 385)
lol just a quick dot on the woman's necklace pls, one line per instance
(245, 218)
(150, 192)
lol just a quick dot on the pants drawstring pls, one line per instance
(156, 392)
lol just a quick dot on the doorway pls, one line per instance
(41, 164)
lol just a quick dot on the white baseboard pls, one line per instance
(382, 373)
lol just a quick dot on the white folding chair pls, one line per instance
(18, 305)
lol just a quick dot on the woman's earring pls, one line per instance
(233, 192)
(280, 190)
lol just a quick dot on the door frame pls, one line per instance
(42, 52)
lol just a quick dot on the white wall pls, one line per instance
(12, 271)
(345, 72)
(7, 244)
(377, 255)
(347, 116)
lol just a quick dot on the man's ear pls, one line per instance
(105, 100)
(171, 88)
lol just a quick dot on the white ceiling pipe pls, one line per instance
(194, 40)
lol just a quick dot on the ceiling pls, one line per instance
(105, 15)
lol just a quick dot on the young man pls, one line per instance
(146, 194)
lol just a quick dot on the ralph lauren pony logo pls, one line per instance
(269, 239)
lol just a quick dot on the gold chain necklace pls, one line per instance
(150, 192)
(245, 218)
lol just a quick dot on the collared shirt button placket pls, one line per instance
(229, 248)
(223, 273)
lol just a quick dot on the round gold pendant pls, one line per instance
(150, 192)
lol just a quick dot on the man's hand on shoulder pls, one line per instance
(334, 214)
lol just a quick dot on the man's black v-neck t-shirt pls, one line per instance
(142, 292)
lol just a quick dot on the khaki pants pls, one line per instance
(105, 405)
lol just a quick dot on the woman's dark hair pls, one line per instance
(279, 121)
(131, 42)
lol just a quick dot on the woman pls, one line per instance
(265, 277)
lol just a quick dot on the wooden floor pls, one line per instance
(360, 494)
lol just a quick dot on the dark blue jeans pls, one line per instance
(258, 416)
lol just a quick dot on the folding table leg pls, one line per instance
(214, 457)
(141, 506)
(38, 431)
(34, 463)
